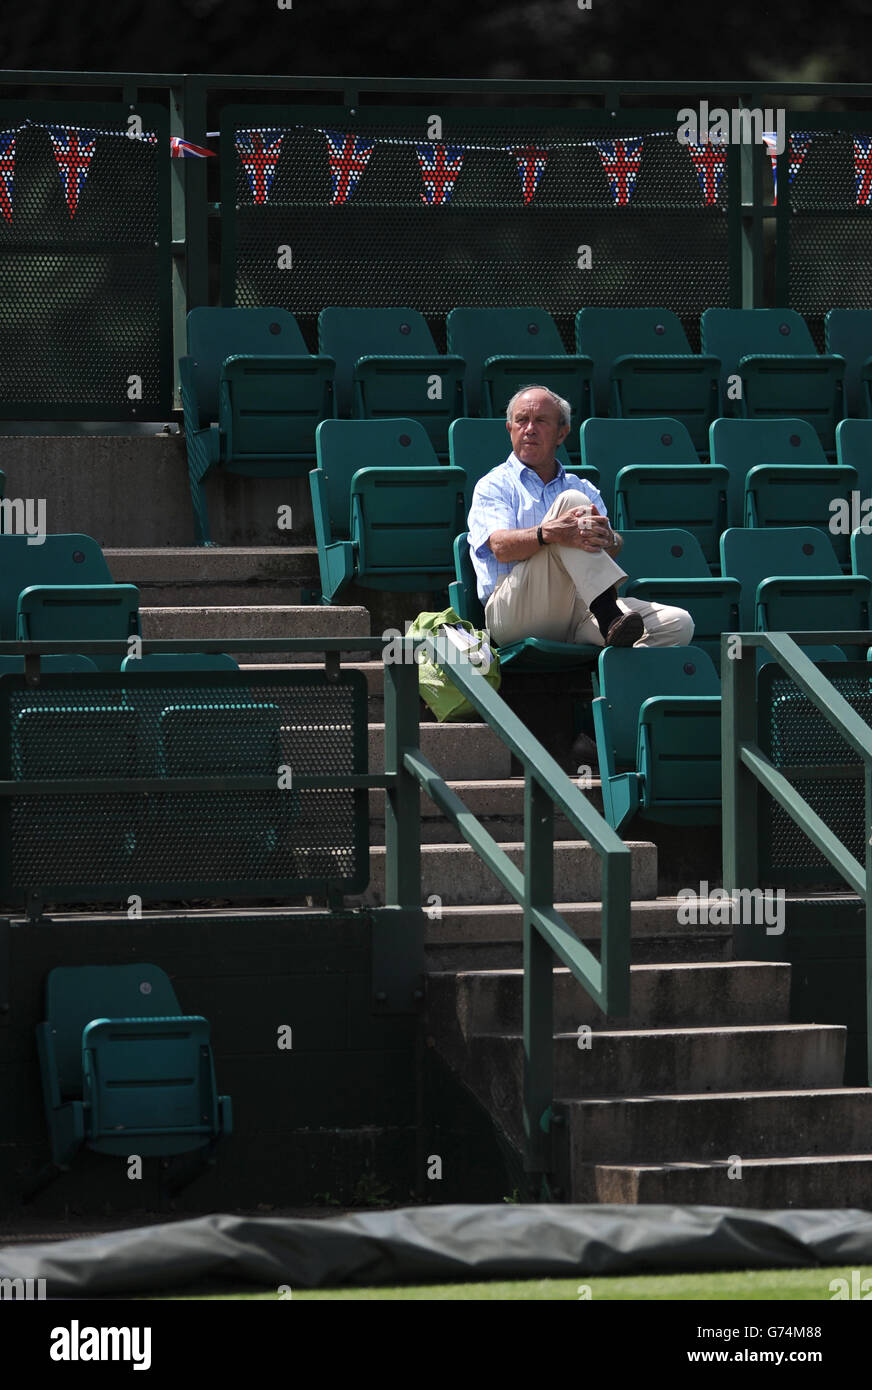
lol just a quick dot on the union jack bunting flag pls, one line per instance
(863, 169)
(184, 149)
(73, 151)
(7, 172)
(349, 156)
(440, 166)
(710, 161)
(797, 145)
(531, 163)
(621, 160)
(259, 157)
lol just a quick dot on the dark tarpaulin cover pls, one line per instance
(444, 1244)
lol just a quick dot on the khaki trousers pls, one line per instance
(549, 594)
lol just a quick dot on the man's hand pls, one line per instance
(595, 535)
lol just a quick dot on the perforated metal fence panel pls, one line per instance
(822, 767)
(270, 841)
(824, 235)
(85, 268)
(374, 232)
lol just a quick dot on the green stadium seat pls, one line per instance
(123, 1070)
(252, 396)
(854, 450)
(849, 333)
(386, 511)
(62, 588)
(792, 582)
(644, 366)
(668, 566)
(505, 349)
(180, 661)
(651, 476)
(657, 721)
(800, 497)
(387, 367)
(477, 446)
(740, 445)
(781, 372)
(534, 653)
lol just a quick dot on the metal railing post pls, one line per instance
(403, 800)
(538, 977)
(739, 788)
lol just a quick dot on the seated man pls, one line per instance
(543, 550)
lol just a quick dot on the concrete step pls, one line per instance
(497, 802)
(490, 937)
(709, 1127)
(194, 576)
(277, 621)
(455, 750)
(673, 996)
(454, 874)
(831, 1180)
(675, 1061)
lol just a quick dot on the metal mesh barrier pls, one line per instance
(232, 842)
(385, 245)
(824, 242)
(85, 281)
(822, 767)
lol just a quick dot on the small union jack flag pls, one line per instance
(73, 151)
(621, 160)
(184, 149)
(797, 147)
(259, 158)
(531, 163)
(710, 161)
(440, 166)
(7, 172)
(863, 169)
(349, 156)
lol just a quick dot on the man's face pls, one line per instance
(535, 428)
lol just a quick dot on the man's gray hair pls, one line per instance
(563, 406)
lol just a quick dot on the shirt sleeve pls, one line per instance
(491, 511)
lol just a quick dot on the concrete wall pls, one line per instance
(133, 491)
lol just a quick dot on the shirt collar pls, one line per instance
(521, 468)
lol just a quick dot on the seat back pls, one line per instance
(854, 450)
(14, 665)
(343, 447)
(216, 334)
(403, 524)
(628, 676)
(268, 408)
(476, 334)
(75, 995)
(731, 334)
(349, 334)
(605, 334)
(463, 592)
(90, 612)
(752, 555)
(667, 553)
(740, 445)
(610, 445)
(66, 559)
(849, 333)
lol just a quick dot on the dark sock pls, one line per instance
(605, 610)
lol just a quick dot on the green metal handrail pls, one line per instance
(746, 768)
(546, 787)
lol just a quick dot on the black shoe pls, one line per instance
(625, 631)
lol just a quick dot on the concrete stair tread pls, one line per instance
(755, 1029)
(686, 1165)
(718, 1097)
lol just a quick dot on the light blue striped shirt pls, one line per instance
(510, 498)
